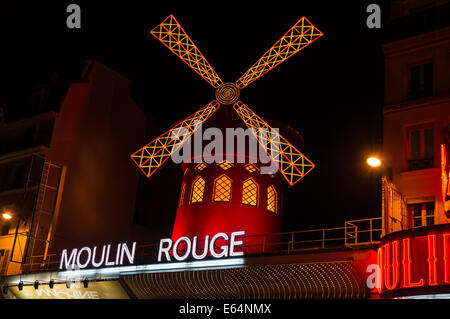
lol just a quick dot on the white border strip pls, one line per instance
(165, 267)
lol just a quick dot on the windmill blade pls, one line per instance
(302, 34)
(292, 164)
(172, 35)
(150, 157)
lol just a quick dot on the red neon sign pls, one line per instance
(414, 261)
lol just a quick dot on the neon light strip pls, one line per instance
(197, 265)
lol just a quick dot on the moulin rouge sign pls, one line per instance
(415, 260)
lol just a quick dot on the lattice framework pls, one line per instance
(200, 167)
(302, 34)
(291, 162)
(198, 189)
(250, 192)
(272, 199)
(251, 168)
(225, 165)
(150, 157)
(172, 35)
(222, 189)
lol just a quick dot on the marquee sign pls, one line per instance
(417, 259)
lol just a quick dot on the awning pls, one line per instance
(283, 281)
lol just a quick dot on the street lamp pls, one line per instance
(373, 161)
(7, 216)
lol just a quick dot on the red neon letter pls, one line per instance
(391, 261)
(407, 266)
(432, 260)
(380, 264)
(446, 258)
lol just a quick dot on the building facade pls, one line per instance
(57, 186)
(416, 118)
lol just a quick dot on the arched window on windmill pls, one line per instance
(200, 167)
(251, 168)
(198, 189)
(250, 192)
(272, 199)
(225, 165)
(222, 189)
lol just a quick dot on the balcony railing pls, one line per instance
(361, 232)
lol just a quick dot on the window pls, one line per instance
(225, 165)
(421, 147)
(250, 192)
(421, 214)
(198, 189)
(272, 199)
(251, 168)
(14, 175)
(421, 81)
(222, 189)
(200, 167)
(3, 261)
(180, 202)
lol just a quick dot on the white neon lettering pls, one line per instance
(224, 248)
(188, 248)
(130, 255)
(210, 247)
(163, 249)
(94, 263)
(82, 258)
(66, 261)
(88, 259)
(234, 243)
(205, 248)
(118, 254)
(108, 263)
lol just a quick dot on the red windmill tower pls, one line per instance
(233, 194)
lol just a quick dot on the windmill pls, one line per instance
(254, 193)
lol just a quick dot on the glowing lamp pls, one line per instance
(374, 162)
(7, 216)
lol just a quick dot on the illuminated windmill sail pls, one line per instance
(292, 164)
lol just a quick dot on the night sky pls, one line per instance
(331, 92)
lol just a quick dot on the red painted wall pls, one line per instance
(209, 217)
(98, 126)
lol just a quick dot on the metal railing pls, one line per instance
(354, 233)
(358, 232)
(367, 231)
